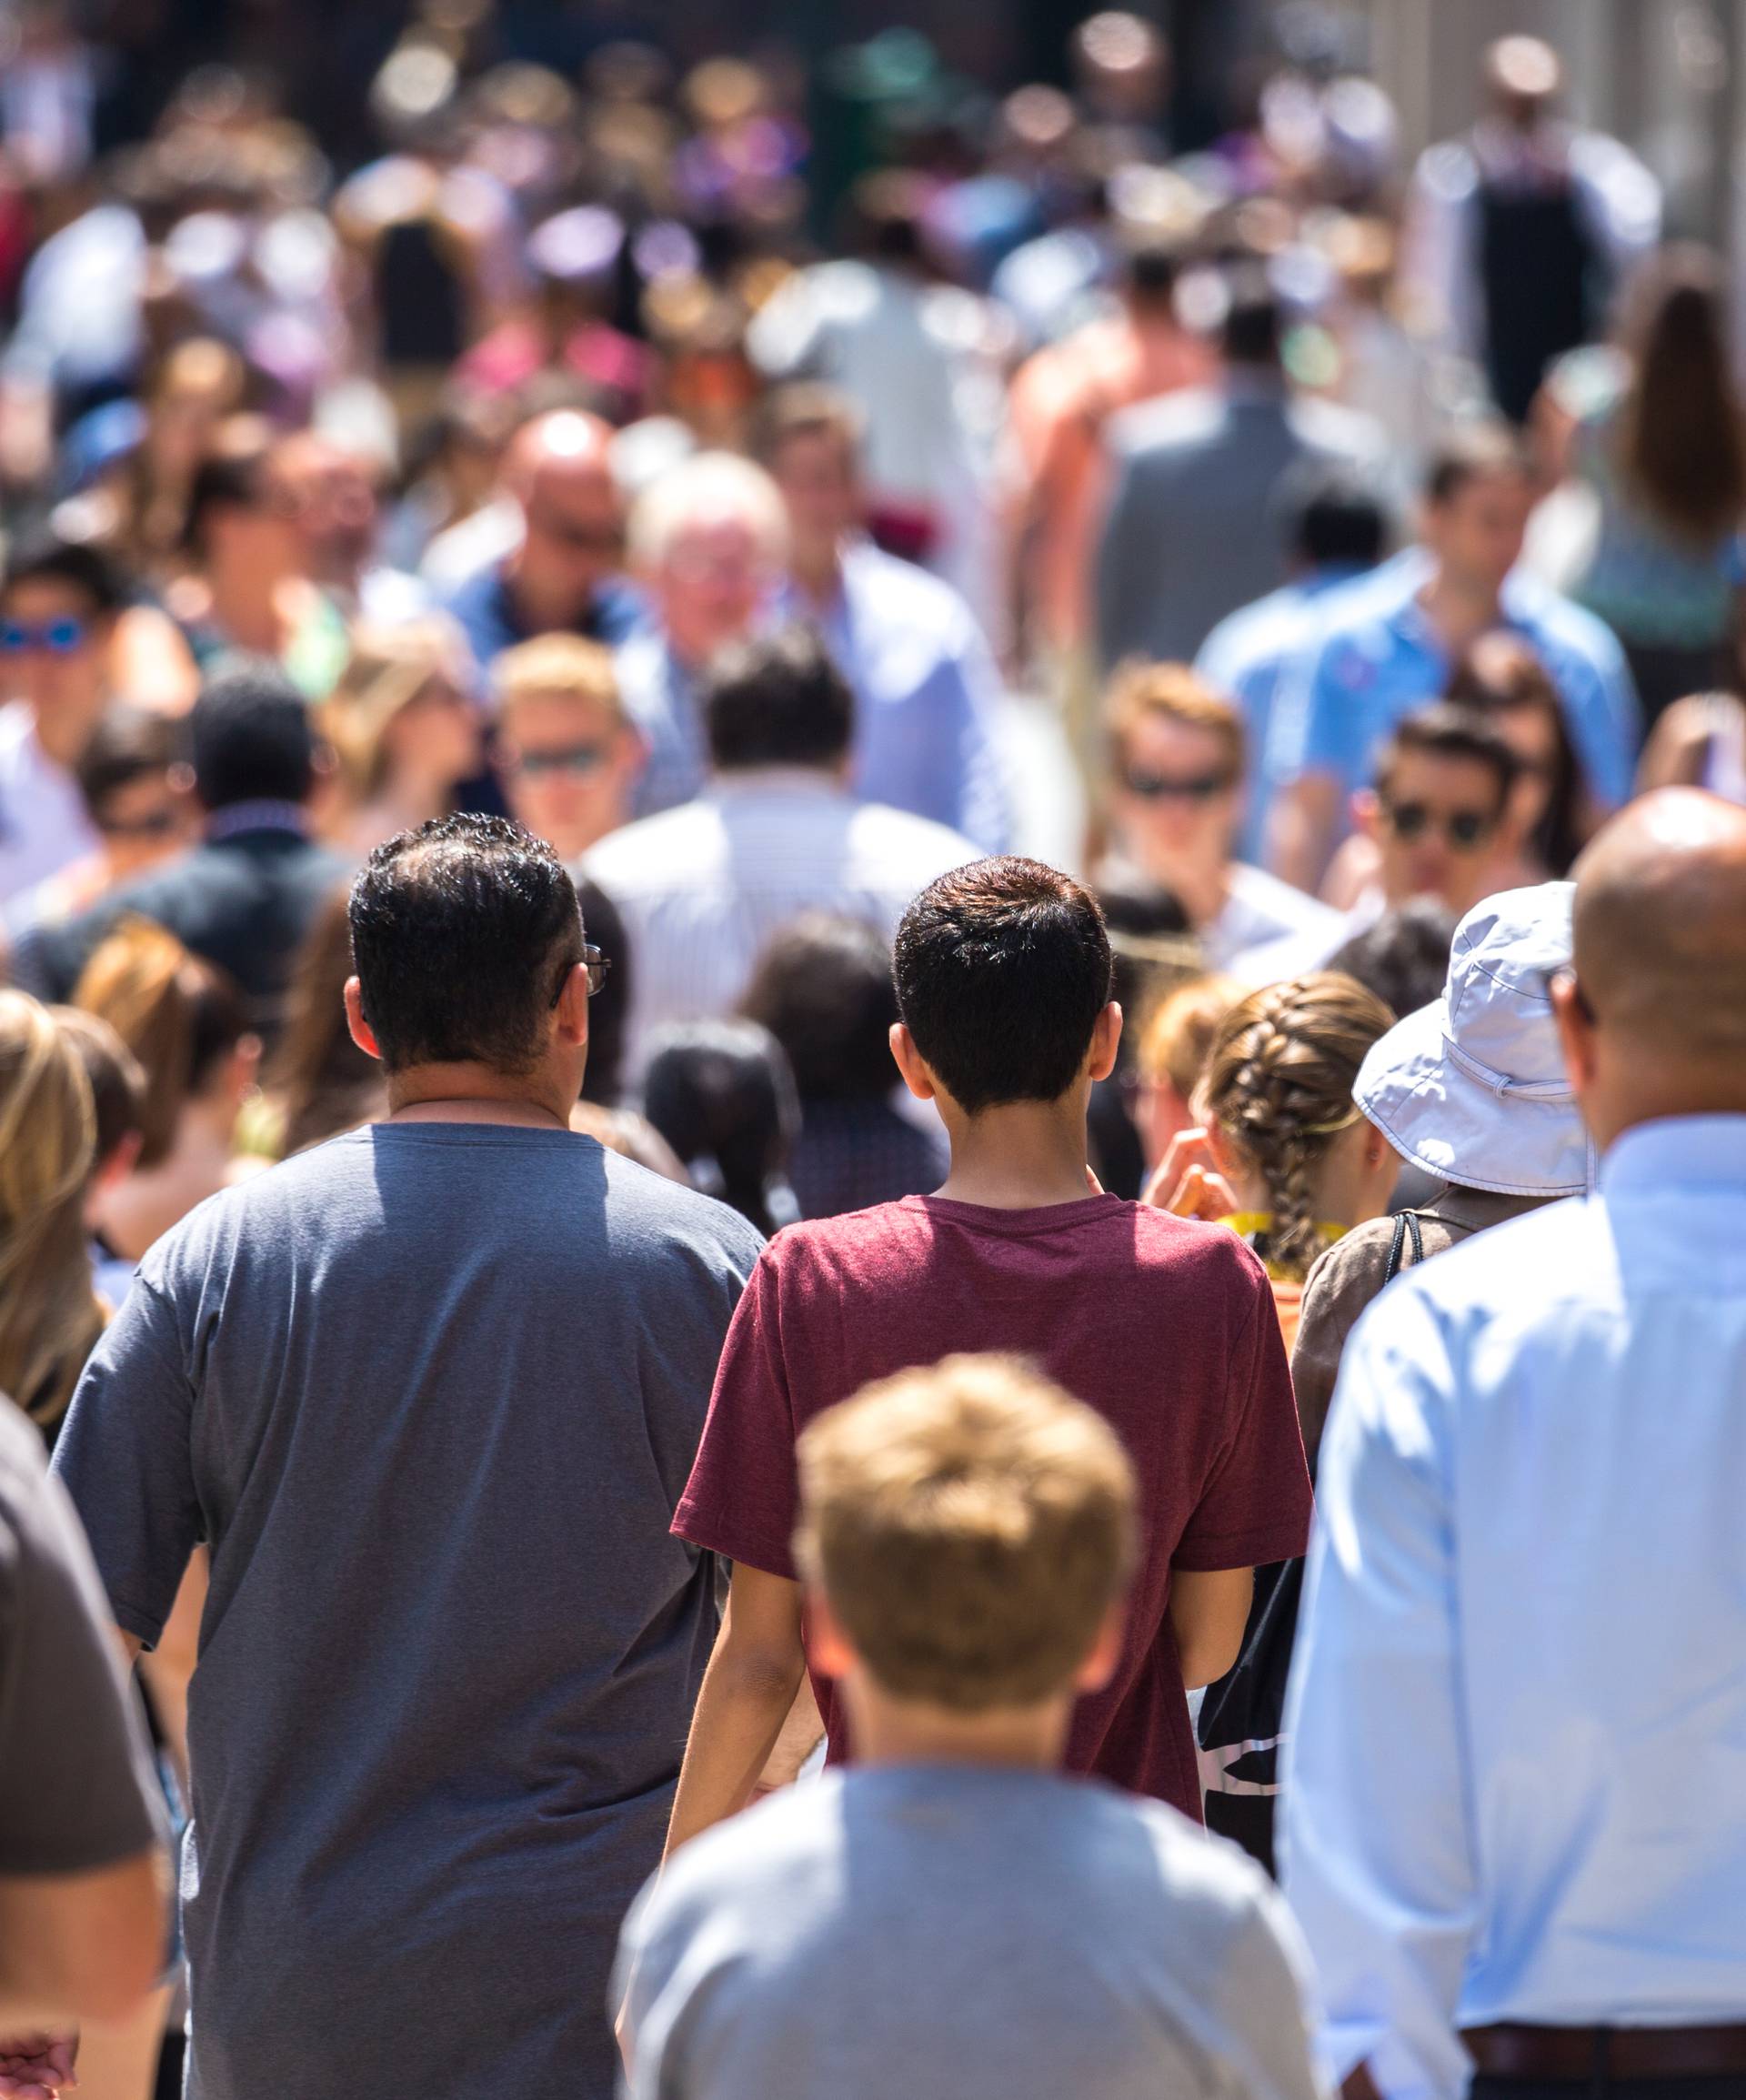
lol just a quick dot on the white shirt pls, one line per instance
(1261, 913)
(1515, 1768)
(702, 888)
(44, 826)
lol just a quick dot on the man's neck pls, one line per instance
(1021, 1156)
(544, 611)
(476, 1093)
(887, 1730)
(1460, 611)
(817, 573)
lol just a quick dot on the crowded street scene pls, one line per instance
(873, 1049)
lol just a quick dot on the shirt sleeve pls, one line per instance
(1605, 717)
(76, 1791)
(1255, 1506)
(125, 1458)
(1268, 2009)
(1304, 734)
(743, 1496)
(1376, 1839)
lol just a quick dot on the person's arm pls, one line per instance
(81, 1947)
(1302, 824)
(1208, 1610)
(1375, 1845)
(748, 1692)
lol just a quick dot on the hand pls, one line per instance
(1186, 1181)
(37, 2067)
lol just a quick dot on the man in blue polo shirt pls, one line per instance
(1389, 645)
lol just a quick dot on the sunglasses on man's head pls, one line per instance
(563, 759)
(1176, 787)
(60, 637)
(1464, 828)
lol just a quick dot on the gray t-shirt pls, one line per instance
(958, 1933)
(76, 1788)
(430, 1392)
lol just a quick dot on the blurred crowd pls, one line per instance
(776, 491)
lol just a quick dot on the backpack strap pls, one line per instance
(1406, 1226)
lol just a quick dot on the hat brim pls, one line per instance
(1443, 1119)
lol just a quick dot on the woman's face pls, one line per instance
(1532, 735)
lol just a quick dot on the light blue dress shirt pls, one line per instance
(1378, 658)
(1515, 1779)
(1245, 658)
(926, 690)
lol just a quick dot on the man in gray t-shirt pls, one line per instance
(429, 1393)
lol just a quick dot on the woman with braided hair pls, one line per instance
(1283, 1155)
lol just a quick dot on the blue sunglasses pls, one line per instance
(59, 637)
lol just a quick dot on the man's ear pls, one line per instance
(573, 1008)
(827, 1646)
(1366, 812)
(1106, 1041)
(1100, 1664)
(910, 1064)
(363, 1034)
(1575, 1034)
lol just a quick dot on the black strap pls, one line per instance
(1406, 1225)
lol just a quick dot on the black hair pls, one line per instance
(1499, 675)
(1403, 956)
(1330, 513)
(250, 736)
(720, 1092)
(462, 933)
(1002, 967)
(1254, 322)
(1447, 730)
(45, 558)
(1150, 273)
(610, 1008)
(823, 988)
(227, 477)
(129, 744)
(778, 701)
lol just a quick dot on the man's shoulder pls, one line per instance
(898, 842)
(1561, 628)
(892, 588)
(1255, 635)
(1328, 427)
(1159, 436)
(1509, 1276)
(655, 854)
(681, 1220)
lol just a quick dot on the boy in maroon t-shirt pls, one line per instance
(1165, 1326)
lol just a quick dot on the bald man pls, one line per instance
(1515, 1780)
(562, 576)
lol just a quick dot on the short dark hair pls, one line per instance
(1402, 957)
(1149, 272)
(823, 988)
(1445, 731)
(251, 736)
(46, 558)
(1002, 967)
(1330, 513)
(777, 701)
(462, 933)
(1254, 325)
(1472, 449)
(129, 743)
(721, 1094)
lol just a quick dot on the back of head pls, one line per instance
(1253, 328)
(129, 744)
(971, 1527)
(1468, 450)
(1278, 1084)
(609, 1009)
(1404, 956)
(777, 701)
(1149, 278)
(1332, 516)
(823, 988)
(1681, 444)
(251, 736)
(178, 1015)
(1002, 967)
(1181, 1031)
(49, 1316)
(47, 556)
(462, 934)
(324, 1082)
(721, 1094)
(117, 1077)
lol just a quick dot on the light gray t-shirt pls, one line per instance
(430, 1391)
(958, 1932)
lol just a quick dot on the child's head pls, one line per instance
(1003, 977)
(966, 1534)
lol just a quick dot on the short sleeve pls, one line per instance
(1269, 2004)
(743, 1495)
(125, 1458)
(1254, 1507)
(76, 1792)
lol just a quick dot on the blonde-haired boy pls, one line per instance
(951, 1915)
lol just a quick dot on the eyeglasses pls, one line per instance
(60, 637)
(1188, 788)
(597, 966)
(154, 824)
(563, 759)
(1463, 829)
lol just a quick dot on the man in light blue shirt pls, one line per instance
(927, 691)
(1392, 644)
(1515, 1787)
(1334, 526)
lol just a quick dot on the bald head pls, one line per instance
(1661, 930)
(558, 450)
(559, 468)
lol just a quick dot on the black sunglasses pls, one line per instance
(1464, 828)
(1166, 788)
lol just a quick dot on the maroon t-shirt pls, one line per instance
(1165, 1326)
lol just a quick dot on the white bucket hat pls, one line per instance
(1473, 1087)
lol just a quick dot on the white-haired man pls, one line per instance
(708, 543)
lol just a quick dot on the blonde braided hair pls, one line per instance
(1278, 1084)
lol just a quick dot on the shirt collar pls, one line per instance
(743, 782)
(1677, 1152)
(236, 817)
